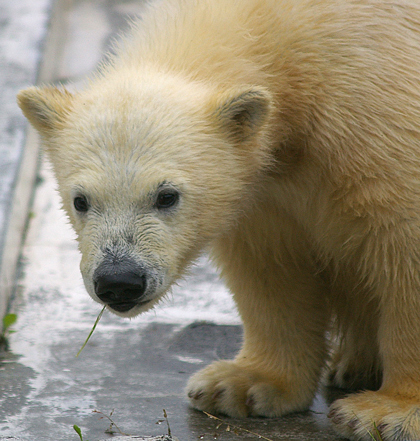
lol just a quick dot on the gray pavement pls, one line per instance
(130, 369)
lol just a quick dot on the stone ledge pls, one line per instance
(23, 30)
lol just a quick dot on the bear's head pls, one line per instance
(150, 170)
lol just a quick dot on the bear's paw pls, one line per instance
(368, 416)
(226, 387)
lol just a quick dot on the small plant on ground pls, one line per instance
(110, 429)
(79, 432)
(236, 429)
(167, 422)
(8, 321)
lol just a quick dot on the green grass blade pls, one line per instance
(91, 332)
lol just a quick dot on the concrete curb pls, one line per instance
(29, 37)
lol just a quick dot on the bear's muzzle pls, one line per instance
(121, 291)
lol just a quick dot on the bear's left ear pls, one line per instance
(45, 107)
(243, 113)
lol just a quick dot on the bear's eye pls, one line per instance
(81, 204)
(166, 199)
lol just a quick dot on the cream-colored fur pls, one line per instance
(290, 130)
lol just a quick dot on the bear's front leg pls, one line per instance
(393, 412)
(282, 304)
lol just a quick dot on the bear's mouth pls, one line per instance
(125, 306)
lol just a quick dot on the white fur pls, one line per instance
(291, 129)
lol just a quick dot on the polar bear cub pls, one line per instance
(283, 135)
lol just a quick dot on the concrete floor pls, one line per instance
(136, 368)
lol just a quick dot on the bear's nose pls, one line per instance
(121, 291)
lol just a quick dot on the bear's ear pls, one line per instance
(243, 113)
(45, 107)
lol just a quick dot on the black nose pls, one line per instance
(121, 291)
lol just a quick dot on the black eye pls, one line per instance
(81, 204)
(166, 199)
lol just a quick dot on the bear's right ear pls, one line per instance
(243, 113)
(45, 107)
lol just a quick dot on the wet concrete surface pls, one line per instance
(23, 27)
(133, 369)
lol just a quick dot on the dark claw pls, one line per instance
(353, 423)
(217, 394)
(195, 395)
(250, 401)
(382, 428)
(335, 417)
(332, 413)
